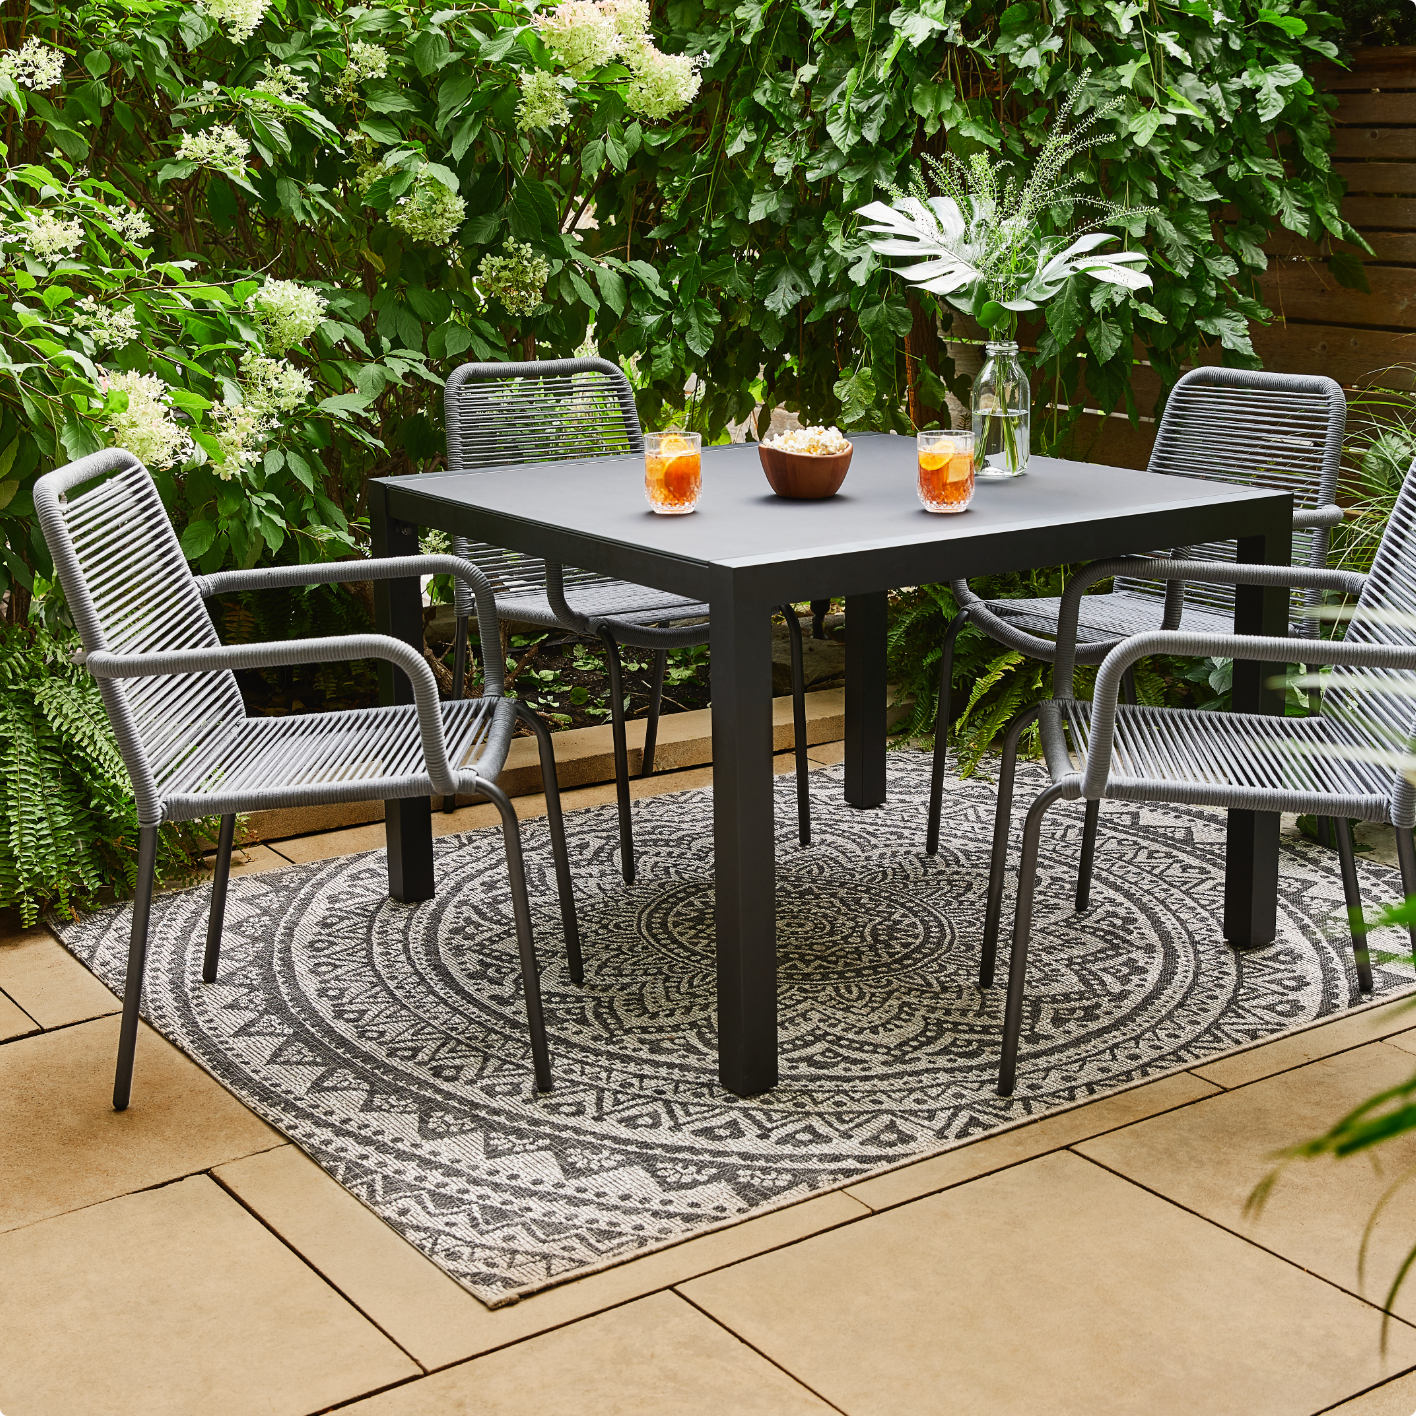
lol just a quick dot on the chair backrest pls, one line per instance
(550, 410)
(1258, 429)
(1385, 614)
(130, 591)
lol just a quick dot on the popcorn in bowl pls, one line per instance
(814, 441)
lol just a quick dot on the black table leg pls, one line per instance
(745, 865)
(1251, 855)
(398, 610)
(867, 618)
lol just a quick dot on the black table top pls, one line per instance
(872, 535)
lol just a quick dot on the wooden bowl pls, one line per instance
(805, 476)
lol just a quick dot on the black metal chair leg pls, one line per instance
(1002, 822)
(459, 677)
(803, 770)
(218, 898)
(1128, 686)
(626, 827)
(1022, 930)
(525, 945)
(941, 732)
(1084, 869)
(819, 610)
(555, 819)
(1406, 858)
(1325, 829)
(137, 961)
(1352, 893)
(656, 699)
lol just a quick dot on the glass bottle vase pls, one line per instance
(1002, 414)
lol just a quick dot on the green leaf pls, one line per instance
(196, 538)
(7, 457)
(301, 469)
(1105, 337)
(612, 288)
(1349, 272)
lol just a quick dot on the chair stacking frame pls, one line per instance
(556, 410)
(1342, 762)
(1250, 427)
(170, 691)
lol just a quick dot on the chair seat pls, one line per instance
(311, 759)
(1238, 760)
(620, 601)
(1105, 619)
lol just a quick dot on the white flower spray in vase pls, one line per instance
(979, 243)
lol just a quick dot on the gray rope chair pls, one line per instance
(1246, 426)
(170, 690)
(1337, 763)
(556, 410)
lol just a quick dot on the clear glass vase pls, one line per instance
(1002, 414)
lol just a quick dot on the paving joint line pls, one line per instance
(751, 1347)
(1409, 1323)
(310, 1264)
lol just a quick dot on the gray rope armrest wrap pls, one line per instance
(105, 665)
(1329, 515)
(1265, 648)
(1064, 666)
(279, 577)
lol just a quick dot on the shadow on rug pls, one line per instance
(388, 1041)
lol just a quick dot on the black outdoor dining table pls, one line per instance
(745, 551)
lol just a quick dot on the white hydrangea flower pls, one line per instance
(221, 147)
(517, 279)
(241, 432)
(33, 66)
(430, 211)
(631, 17)
(660, 84)
(146, 427)
(270, 386)
(50, 237)
(581, 34)
(108, 327)
(542, 103)
(281, 81)
(287, 311)
(366, 61)
(242, 18)
(131, 225)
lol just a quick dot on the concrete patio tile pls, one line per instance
(1394, 1398)
(1406, 1041)
(1053, 1287)
(65, 1147)
(827, 754)
(656, 1357)
(251, 860)
(1051, 1133)
(14, 1021)
(1324, 1040)
(1316, 1213)
(437, 1320)
(176, 1301)
(49, 983)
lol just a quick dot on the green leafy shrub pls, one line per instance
(68, 823)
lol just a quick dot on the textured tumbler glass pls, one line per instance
(946, 470)
(673, 472)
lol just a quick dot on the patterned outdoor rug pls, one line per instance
(388, 1040)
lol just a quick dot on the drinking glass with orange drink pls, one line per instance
(673, 472)
(946, 470)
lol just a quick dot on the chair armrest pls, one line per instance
(279, 577)
(222, 657)
(1266, 648)
(1214, 572)
(1329, 515)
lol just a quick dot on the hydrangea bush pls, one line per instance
(247, 239)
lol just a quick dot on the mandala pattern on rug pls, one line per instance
(388, 1041)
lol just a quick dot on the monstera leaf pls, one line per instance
(975, 259)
